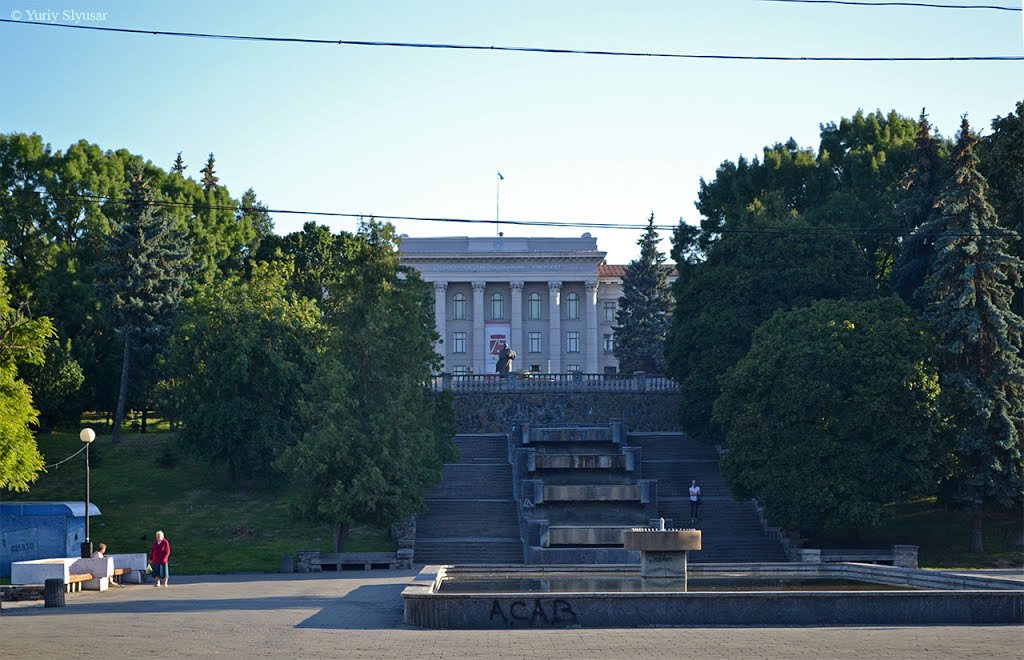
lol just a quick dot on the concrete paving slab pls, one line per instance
(359, 615)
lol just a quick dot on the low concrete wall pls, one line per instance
(496, 412)
(983, 602)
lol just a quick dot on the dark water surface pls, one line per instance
(703, 583)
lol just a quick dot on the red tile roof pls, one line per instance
(609, 270)
(619, 271)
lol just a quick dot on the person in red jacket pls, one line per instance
(158, 558)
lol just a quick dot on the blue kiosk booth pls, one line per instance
(39, 530)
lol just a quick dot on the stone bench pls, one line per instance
(75, 572)
(129, 568)
(365, 561)
(903, 556)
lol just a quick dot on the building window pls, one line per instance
(497, 306)
(461, 370)
(574, 369)
(609, 343)
(609, 371)
(458, 342)
(533, 306)
(572, 306)
(459, 307)
(534, 346)
(535, 368)
(572, 342)
(609, 312)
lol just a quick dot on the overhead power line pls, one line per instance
(919, 5)
(519, 49)
(793, 231)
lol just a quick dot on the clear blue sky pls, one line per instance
(414, 132)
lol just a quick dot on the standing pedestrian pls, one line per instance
(694, 501)
(159, 555)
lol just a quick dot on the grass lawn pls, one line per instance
(942, 536)
(213, 526)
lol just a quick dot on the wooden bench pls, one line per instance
(118, 572)
(75, 580)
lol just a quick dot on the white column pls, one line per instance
(593, 341)
(516, 337)
(479, 345)
(440, 317)
(555, 326)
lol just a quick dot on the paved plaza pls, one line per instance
(359, 615)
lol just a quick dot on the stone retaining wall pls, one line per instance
(495, 412)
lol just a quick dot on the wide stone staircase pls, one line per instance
(471, 514)
(731, 530)
(570, 494)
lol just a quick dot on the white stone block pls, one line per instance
(135, 577)
(96, 566)
(96, 584)
(38, 571)
(135, 561)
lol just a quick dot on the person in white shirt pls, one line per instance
(694, 501)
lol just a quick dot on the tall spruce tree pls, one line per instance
(645, 307)
(969, 293)
(922, 185)
(209, 180)
(144, 278)
(179, 166)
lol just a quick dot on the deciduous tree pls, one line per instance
(777, 265)
(379, 438)
(833, 414)
(22, 341)
(241, 356)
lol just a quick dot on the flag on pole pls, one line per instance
(500, 177)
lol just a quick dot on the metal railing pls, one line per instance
(543, 382)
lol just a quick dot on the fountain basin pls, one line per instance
(902, 597)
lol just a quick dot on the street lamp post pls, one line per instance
(87, 436)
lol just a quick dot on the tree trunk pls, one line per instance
(977, 546)
(340, 536)
(122, 394)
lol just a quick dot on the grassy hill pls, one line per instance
(942, 536)
(147, 483)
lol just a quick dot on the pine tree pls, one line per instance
(643, 317)
(209, 180)
(922, 183)
(145, 277)
(179, 166)
(969, 292)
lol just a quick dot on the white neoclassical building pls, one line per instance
(552, 300)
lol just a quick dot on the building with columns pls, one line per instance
(552, 300)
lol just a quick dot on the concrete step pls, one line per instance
(488, 448)
(482, 480)
(468, 550)
(671, 445)
(494, 518)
